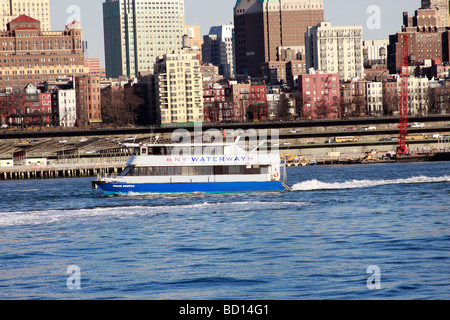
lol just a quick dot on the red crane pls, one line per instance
(403, 102)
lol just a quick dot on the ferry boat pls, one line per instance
(203, 168)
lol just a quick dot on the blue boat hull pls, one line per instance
(207, 187)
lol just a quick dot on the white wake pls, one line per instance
(355, 184)
(39, 217)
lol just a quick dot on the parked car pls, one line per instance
(294, 131)
(417, 125)
(385, 139)
(62, 141)
(368, 128)
(350, 129)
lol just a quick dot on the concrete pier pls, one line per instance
(60, 171)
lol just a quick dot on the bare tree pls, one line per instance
(390, 103)
(283, 106)
(132, 104)
(120, 106)
(430, 100)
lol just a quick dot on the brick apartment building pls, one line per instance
(428, 39)
(28, 108)
(237, 102)
(263, 27)
(217, 104)
(30, 55)
(249, 101)
(88, 100)
(319, 95)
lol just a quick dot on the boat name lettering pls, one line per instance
(210, 159)
(124, 186)
(218, 159)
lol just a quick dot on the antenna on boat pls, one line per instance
(259, 145)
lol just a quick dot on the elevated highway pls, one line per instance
(302, 137)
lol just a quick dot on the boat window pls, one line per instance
(195, 171)
(160, 171)
(180, 151)
(144, 151)
(157, 151)
(204, 171)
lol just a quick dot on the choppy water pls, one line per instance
(313, 243)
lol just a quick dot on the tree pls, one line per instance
(390, 103)
(132, 104)
(284, 106)
(120, 106)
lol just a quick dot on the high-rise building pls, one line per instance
(136, 32)
(218, 49)
(37, 9)
(442, 8)
(428, 37)
(30, 55)
(335, 50)
(178, 88)
(265, 27)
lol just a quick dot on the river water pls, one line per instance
(379, 231)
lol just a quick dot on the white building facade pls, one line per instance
(335, 50)
(374, 98)
(67, 107)
(418, 95)
(375, 49)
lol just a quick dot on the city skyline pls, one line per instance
(379, 18)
